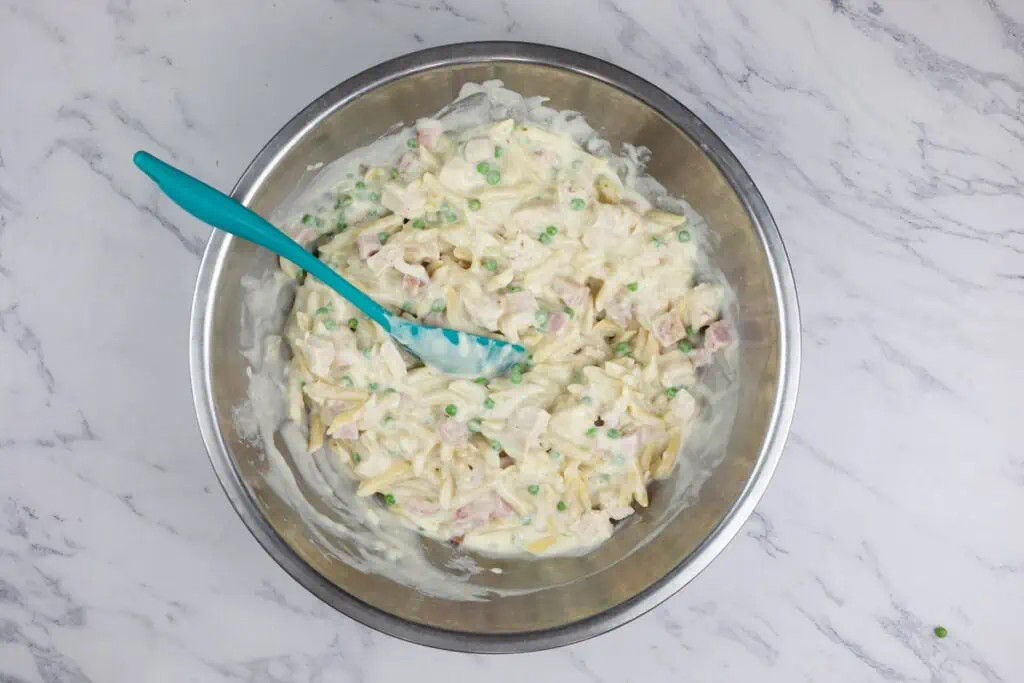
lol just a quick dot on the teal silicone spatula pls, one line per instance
(451, 351)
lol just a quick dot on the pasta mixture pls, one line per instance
(503, 229)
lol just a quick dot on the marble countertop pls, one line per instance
(888, 139)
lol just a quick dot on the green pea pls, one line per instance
(551, 230)
(614, 433)
(483, 168)
(374, 196)
(323, 310)
(357, 458)
(389, 499)
(407, 307)
(621, 349)
(353, 323)
(577, 204)
(569, 311)
(360, 185)
(411, 143)
(495, 445)
(498, 151)
(515, 375)
(544, 238)
(941, 632)
(533, 489)
(683, 235)
(419, 223)
(555, 455)
(330, 324)
(474, 204)
(561, 506)
(395, 173)
(474, 425)
(494, 177)
(488, 403)
(481, 380)
(542, 318)
(372, 386)
(684, 346)
(307, 219)
(671, 392)
(438, 306)
(490, 264)
(450, 410)
(346, 381)
(514, 288)
(592, 432)
(656, 241)
(633, 286)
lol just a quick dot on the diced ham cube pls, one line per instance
(479, 512)
(369, 244)
(347, 432)
(454, 432)
(435, 319)
(668, 328)
(717, 336)
(305, 236)
(620, 311)
(574, 295)
(557, 321)
(428, 133)
(407, 160)
(413, 286)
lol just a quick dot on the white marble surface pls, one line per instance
(888, 138)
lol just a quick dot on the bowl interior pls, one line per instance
(658, 545)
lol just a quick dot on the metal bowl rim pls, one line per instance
(789, 353)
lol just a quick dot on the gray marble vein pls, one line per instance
(886, 135)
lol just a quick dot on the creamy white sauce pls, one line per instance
(386, 541)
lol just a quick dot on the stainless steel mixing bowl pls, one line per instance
(565, 599)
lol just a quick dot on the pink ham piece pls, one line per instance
(620, 311)
(347, 432)
(479, 512)
(557, 321)
(454, 432)
(717, 336)
(305, 236)
(413, 286)
(428, 134)
(570, 293)
(369, 244)
(668, 328)
(406, 160)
